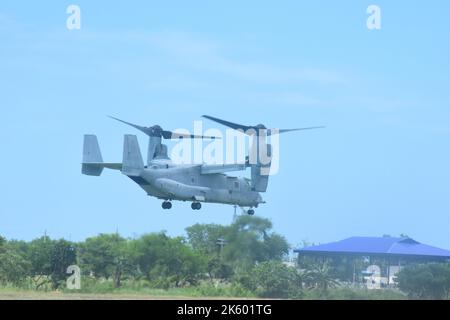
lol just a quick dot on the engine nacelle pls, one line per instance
(181, 190)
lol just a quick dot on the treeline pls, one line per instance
(245, 258)
(425, 281)
(234, 255)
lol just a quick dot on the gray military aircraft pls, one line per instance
(195, 183)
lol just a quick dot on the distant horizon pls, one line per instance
(300, 244)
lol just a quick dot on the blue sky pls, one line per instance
(380, 167)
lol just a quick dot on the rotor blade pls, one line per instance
(143, 129)
(232, 125)
(175, 135)
(299, 129)
(279, 131)
(195, 136)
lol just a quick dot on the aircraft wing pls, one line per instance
(221, 168)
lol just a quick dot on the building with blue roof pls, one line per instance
(378, 246)
(353, 255)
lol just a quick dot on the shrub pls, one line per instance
(273, 279)
(426, 281)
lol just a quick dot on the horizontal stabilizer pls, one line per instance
(108, 165)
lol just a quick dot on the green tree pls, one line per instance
(107, 256)
(426, 281)
(218, 269)
(43, 259)
(170, 260)
(203, 237)
(39, 254)
(14, 268)
(273, 279)
(320, 277)
(250, 240)
(20, 247)
(63, 255)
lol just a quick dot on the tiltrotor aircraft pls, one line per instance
(196, 183)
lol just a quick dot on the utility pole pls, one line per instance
(221, 243)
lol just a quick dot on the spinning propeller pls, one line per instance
(157, 131)
(252, 130)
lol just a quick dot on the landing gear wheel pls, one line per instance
(196, 205)
(166, 205)
(250, 212)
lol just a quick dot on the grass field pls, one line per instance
(183, 293)
(33, 295)
(154, 294)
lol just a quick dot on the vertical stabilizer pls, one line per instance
(132, 164)
(92, 157)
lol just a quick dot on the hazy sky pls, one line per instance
(380, 167)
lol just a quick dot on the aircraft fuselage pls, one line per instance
(164, 180)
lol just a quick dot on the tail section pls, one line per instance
(92, 157)
(132, 163)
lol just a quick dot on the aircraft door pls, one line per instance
(233, 187)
